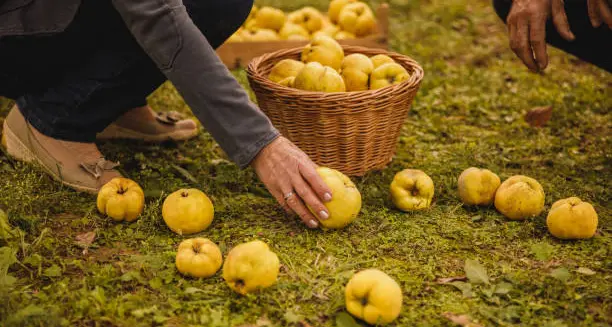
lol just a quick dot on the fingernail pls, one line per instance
(313, 224)
(541, 65)
(323, 215)
(327, 197)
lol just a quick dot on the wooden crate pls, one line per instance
(239, 54)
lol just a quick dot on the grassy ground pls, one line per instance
(468, 113)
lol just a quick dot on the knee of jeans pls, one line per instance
(218, 19)
(242, 9)
(502, 8)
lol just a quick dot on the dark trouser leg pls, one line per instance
(218, 19)
(593, 45)
(72, 85)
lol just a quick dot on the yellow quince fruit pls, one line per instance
(412, 189)
(346, 199)
(250, 266)
(188, 211)
(285, 68)
(373, 296)
(356, 70)
(520, 197)
(270, 18)
(121, 199)
(335, 7)
(198, 257)
(318, 78)
(478, 186)
(572, 218)
(381, 59)
(324, 50)
(387, 75)
(358, 19)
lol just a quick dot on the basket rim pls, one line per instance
(416, 74)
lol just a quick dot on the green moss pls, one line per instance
(468, 113)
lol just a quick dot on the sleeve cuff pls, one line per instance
(244, 158)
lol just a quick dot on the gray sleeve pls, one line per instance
(167, 34)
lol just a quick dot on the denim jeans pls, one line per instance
(593, 45)
(73, 84)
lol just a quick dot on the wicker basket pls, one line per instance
(353, 132)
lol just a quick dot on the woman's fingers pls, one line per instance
(292, 199)
(309, 172)
(559, 18)
(309, 197)
(278, 195)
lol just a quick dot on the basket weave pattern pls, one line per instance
(353, 132)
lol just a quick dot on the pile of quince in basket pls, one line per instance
(346, 19)
(325, 68)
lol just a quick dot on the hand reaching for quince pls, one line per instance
(292, 179)
(527, 28)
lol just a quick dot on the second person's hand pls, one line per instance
(600, 12)
(527, 28)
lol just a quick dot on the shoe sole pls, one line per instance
(16, 149)
(113, 132)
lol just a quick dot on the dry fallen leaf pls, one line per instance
(261, 322)
(304, 324)
(538, 116)
(85, 240)
(461, 320)
(451, 279)
(585, 271)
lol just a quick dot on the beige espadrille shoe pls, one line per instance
(80, 166)
(144, 124)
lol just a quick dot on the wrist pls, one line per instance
(247, 153)
(265, 150)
